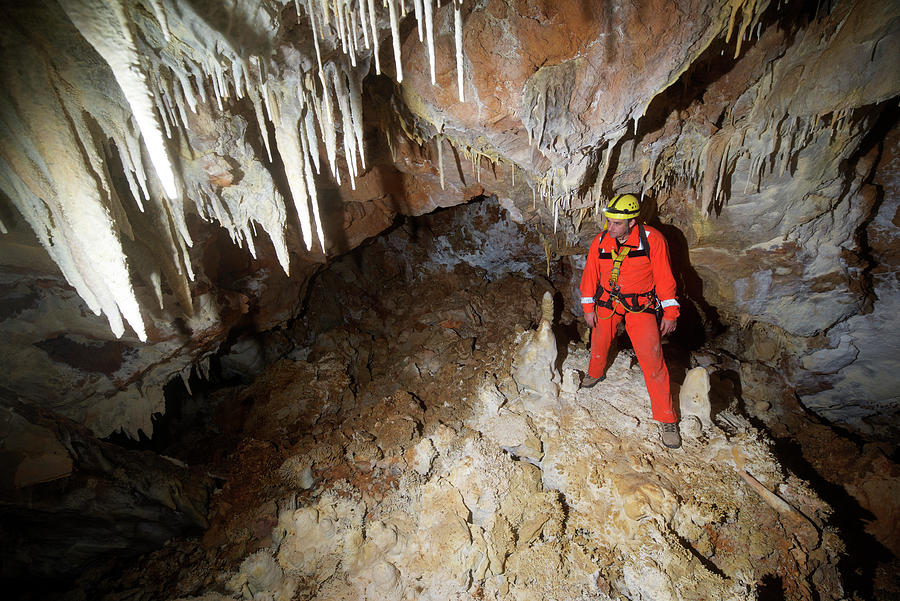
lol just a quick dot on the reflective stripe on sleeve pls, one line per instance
(669, 303)
(588, 299)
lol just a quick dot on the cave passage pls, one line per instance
(396, 442)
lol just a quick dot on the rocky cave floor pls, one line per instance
(393, 455)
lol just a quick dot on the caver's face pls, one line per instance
(620, 228)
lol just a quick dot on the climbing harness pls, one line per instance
(614, 297)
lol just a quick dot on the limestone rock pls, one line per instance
(39, 455)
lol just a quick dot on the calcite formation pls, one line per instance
(131, 130)
(605, 512)
(394, 456)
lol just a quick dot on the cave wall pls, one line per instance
(763, 135)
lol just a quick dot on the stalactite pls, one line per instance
(311, 186)
(371, 4)
(160, 83)
(107, 29)
(429, 34)
(750, 10)
(341, 92)
(310, 133)
(457, 24)
(291, 149)
(261, 122)
(315, 35)
(356, 114)
(364, 23)
(327, 127)
(395, 36)
(353, 35)
(417, 5)
(440, 153)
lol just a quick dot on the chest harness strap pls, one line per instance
(629, 302)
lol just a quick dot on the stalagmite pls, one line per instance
(457, 30)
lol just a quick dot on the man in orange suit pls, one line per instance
(628, 276)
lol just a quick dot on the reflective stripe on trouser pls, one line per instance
(644, 334)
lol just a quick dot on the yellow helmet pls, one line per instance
(623, 206)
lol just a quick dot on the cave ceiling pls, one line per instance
(180, 167)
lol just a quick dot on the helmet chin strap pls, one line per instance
(624, 237)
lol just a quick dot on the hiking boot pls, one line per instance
(669, 435)
(589, 382)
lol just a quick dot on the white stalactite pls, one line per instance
(395, 36)
(440, 151)
(107, 28)
(457, 31)
(429, 34)
(417, 5)
(356, 115)
(308, 149)
(327, 127)
(261, 122)
(374, 25)
(160, 13)
(364, 23)
(342, 94)
(310, 134)
(160, 82)
(291, 149)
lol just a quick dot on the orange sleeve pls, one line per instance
(663, 279)
(590, 276)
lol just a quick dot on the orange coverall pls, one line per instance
(643, 270)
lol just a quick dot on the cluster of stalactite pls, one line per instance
(66, 117)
